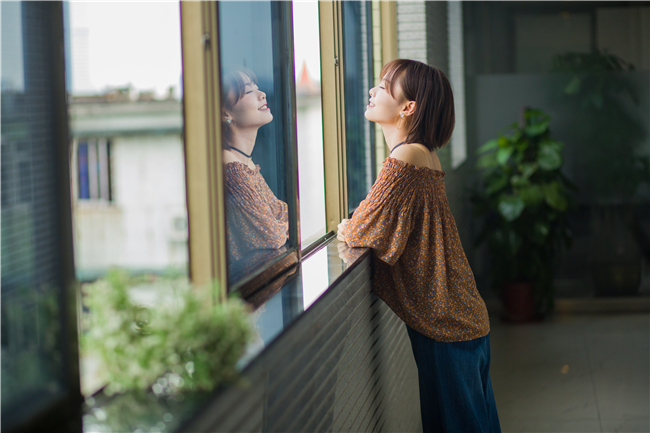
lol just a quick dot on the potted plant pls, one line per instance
(163, 335)
(524, 197)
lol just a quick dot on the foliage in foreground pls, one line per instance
(181, 343)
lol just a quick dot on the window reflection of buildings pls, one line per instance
(127, 183)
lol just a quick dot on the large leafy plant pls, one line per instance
(181, 342)
(524, 197)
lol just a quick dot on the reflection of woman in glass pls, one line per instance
(257, 220)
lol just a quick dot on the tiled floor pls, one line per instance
(580, 373)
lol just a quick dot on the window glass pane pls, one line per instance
(126, 164)
(127, 159)
(309, 118)
(257, 133)
(82, 164)
(360, 134)
(34, 361)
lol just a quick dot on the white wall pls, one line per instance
(136, 230)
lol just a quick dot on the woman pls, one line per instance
(257, 220)
(422, 273)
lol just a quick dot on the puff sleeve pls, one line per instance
(384, 219)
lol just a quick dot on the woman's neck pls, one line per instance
(393, 136)
(244, 142)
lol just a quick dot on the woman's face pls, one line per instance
(251, 110)
(384, 108)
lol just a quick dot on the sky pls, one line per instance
(136, 43)
(139, 43)
(306, 37)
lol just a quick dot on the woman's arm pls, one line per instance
(383, 221)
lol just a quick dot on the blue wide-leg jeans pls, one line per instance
(455, 389)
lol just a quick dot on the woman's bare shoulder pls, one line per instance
(413, 154)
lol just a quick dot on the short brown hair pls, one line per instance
(433, 120)
(234, 81)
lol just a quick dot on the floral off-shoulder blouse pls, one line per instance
(256, 218)
(422, 273)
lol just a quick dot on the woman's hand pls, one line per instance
(342, 233)
(344, 251)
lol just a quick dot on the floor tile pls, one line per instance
(567, 373)
(626, 426)
(535, 393)
(620, 354)
(546, 426)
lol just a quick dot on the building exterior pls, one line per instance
(138, 219)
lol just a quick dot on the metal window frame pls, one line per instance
(332, 82)
(202, 132)
(208, 258)
(202, 137)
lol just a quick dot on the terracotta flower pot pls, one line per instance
(518, 302)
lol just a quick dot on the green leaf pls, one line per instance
(519, 181)
(549, 158)
(522, 145)
(490, 145)
(496, 183)
(511, 207)
(527, 169)
(503, 154)
(542, 229)
(554, 196)
(574, 86)
(536, 128)
(532, 195)
(532, 113)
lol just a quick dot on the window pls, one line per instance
(258, 135)
(126, 155)
(94, 169)
(309, 119)
(358, 72)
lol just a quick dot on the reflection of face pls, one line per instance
(251, 110)
(383, 108)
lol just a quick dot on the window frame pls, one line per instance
(202, 137)
(74, 173)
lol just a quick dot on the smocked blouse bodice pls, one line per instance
(256, 218)
(422, 273)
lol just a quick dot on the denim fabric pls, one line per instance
(455, 389)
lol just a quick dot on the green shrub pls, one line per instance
(180, 343)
